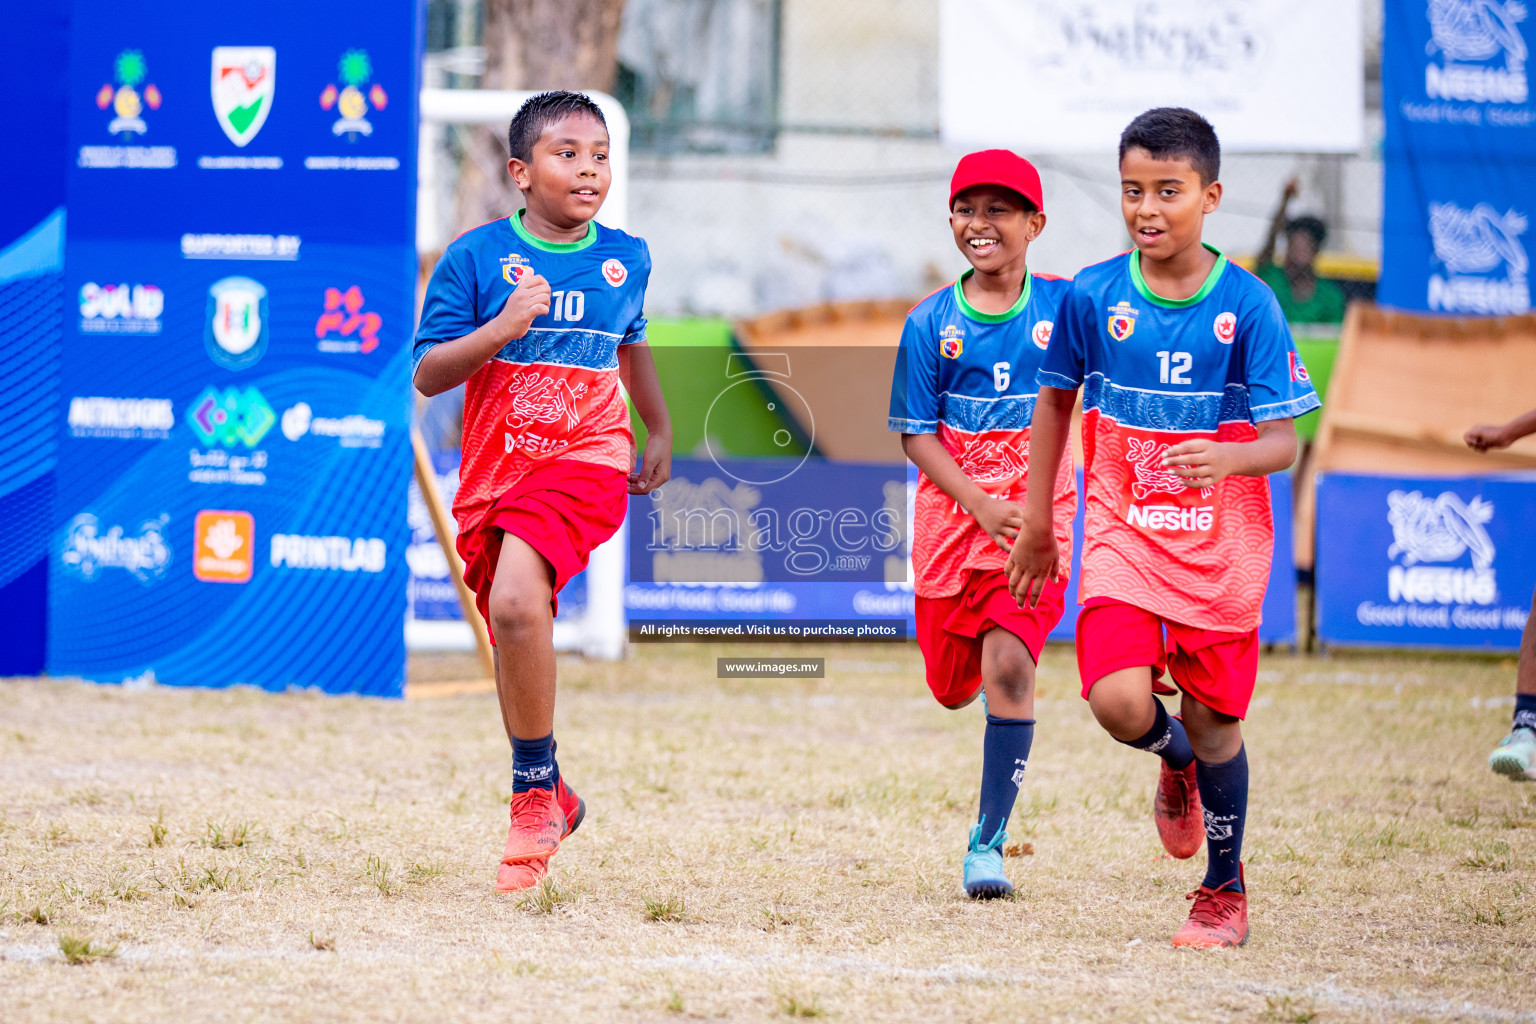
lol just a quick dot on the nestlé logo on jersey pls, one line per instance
(514, 268)
(1041, 334)
(1184, 512)
(120, 308)
(88, 549)
(614, 272)
(1122, 320)
(951, 342)
(1225, 327)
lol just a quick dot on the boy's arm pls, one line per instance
(448, 364)
(1483, 436)
(637, 372)
(1000, 518)
(1036, 558)
(1205, 463)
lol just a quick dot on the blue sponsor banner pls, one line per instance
(34, 48)
(1424, 561)
(238, 307)
(894, 600)
(1460, 154)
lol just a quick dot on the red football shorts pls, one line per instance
(562, 508)
(1216, 668)
(950, 629)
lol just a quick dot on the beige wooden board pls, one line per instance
(1405, 389)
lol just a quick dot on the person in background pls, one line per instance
(1304, 297)
(1515, 756)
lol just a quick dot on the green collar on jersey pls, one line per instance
(972, 313)
(1205, 289)
(538, 243)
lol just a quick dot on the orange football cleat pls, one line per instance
(1218, 919)
(1176, 810)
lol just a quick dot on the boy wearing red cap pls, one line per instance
(962, 398)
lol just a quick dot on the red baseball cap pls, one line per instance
(997, 167)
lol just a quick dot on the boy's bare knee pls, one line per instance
(516, 610)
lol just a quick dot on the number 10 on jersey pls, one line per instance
(569, 305)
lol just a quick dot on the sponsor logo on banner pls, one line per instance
(1182, 511)
(514, 268)
(240, 247)
(224, 546)
(1485, 263)
(1225, 327)
(128, 96)
(951, 342)
(127, 418)
(231, 416)
(1440, 529)
(344, 326)
(354, 71)
(1122, 320)
(244, 81)
(349, 431)
(343, 554)
(1041, 334)
(89, 548)
(127, 101)
(237, 322)
(614, 272)
(120, 308)
(1477, 53)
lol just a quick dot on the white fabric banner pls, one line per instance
(1067, 76)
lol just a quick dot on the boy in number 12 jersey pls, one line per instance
(962, 398)
(541, 313)
(1190, 384)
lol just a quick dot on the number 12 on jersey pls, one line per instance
(1173, 367)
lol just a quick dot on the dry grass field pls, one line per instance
(754, 850)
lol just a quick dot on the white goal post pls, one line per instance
(600, 631)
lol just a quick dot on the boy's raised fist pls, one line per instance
(528, 301)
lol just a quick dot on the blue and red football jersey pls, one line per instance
(1156, 372)
(968, 377)
(554, 392)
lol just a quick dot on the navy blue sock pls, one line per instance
(533, 764)
(1224, 794)
(1167, 739)
(1525, 711)
(1004, 756)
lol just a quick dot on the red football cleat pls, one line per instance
(1218, 919)
(1176, 810)
(540, 820)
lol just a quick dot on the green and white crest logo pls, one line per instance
(244, 78)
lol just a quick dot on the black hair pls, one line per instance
(1312, 226)
(1171, 133)
(539, 112)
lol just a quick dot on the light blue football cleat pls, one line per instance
(1515, 756)
(984, 878)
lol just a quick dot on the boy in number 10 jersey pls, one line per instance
(541, 313)
(1190, 384)
(962, 398)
